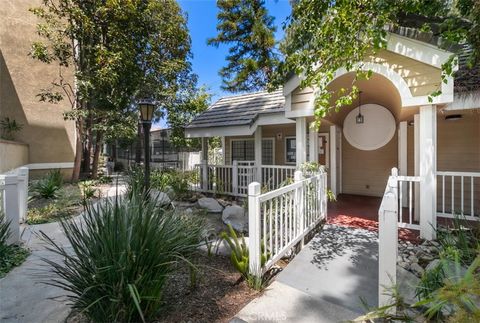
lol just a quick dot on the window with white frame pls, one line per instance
(268, 151)
(291, 149)
(244, 150)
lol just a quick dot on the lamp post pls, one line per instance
(146, 107)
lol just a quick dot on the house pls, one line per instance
(433, 141)
(46, 140)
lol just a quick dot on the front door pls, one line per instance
(323, 151)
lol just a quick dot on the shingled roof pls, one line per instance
(240, 109)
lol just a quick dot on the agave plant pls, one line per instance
(121, 256)
(239, 256)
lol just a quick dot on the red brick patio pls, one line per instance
(361, 212)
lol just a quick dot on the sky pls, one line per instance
(208, 60)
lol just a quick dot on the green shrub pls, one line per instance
(9, 127)
(88, 189)
(45, 214)
(121, 256)
(49, 186)
(177, 181)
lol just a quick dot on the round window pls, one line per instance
(377, 129)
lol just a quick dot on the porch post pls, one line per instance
(333, 159)
(313, 144)
(204, 149)
(402, 157)
(416, 163)
(301, 140)
(428, 169)
(258, 154)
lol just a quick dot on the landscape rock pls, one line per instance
(162, 198)
(407, 283)
(210, 204)
(235, 216)
(417, 269)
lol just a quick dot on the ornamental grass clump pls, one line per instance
(121, 255)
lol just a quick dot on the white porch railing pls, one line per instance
(280, 219)
(234, 179)
(13, 199)
(407, 185)
(224, 179)
(458, 194)
(273, 176)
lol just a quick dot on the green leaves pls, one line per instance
(324, 36)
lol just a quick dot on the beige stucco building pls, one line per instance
(46, 140)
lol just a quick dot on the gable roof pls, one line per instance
(466, 79)
(239, 110)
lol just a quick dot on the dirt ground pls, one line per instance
(216, 298)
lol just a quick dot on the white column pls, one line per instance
(224, 157)
(254, 241)
(301, 140)
(204, 149)
(416, 164)
(258, 153)
(313, 144)
(428, 169)
(333, 159)
(402, 158)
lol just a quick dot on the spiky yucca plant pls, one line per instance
(121, 255)
(239, 256)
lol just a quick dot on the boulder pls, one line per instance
(162, 198)
(407, 283)
(235, 216)
(417, 269)
(210, 204)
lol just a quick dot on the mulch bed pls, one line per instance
(217, 296)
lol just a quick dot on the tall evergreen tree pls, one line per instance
(248, 29)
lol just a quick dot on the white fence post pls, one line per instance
(12, 207)
(254, 240)
(298, 176)
(388, 240)
(204, 175)
(23, 193)
(235, 177)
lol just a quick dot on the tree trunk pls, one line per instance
(96, 154)
(78, 150)
(138, 145)
(89, 144)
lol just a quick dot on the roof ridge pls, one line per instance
(248, 94)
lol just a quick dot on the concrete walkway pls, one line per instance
(24, 296)
(325, 282)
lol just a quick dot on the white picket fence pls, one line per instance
(280, 219)
(13, 200)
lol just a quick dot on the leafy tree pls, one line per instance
(118, 51)
(190, 102)
(323, 36)
(248, 29)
